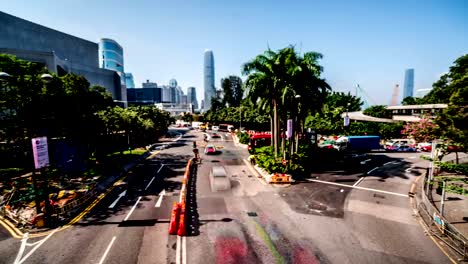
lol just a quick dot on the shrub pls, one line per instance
(243, 137)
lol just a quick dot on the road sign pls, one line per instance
(40, 152)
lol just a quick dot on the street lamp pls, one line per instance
(298, 98)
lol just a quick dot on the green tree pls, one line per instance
(278, 78)
(232, 90)
(379, 111)
(329, 119)
(454, 118)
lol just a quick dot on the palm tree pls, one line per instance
(288, 82)
(264, 82)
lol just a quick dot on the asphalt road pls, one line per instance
(337, 216)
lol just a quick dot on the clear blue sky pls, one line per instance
(366, 42)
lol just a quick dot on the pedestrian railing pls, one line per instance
(438, 225)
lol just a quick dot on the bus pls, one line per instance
(226, 127)
(258, 140)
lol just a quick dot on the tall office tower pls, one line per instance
(209, 77)
(111, 57)
(149, 84)
(192, 97)
(183, 99)
(409, 83)
(129, 80)
(202, 104)
(166, 94)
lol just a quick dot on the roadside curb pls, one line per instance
(260, 177)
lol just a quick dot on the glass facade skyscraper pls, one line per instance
(209, 79)
(408, 86)
(111, 57)
(192, 97)
(129, 80)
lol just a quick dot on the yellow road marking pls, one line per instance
(91, 206)
(269, 243)
(16, 233)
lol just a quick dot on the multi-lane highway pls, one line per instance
(333, 217)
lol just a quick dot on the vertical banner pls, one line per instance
(346, 121)
(40, 152)
(289, 132)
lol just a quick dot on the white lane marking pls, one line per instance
(184, 250)
(107, 250)
(358, 187)
(390, 162)
(37, 246)
(412, 157)
(22, 247)
(147, 186)
(161, 194)
(372, 170)
(133, 208)
(408, 169)
(162, 165)
(180, 136)
(117, 200)
(178, 250)
(359, 181)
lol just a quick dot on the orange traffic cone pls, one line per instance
(182, 231)
(174, 219)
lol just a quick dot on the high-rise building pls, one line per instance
(166, 94)
(192, 97)
(129, 80)
(408, 86)
(111, 57)
(59, 52)
(149, 84)
(202, 104)
(209, 77)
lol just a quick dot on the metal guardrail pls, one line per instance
(439, 226)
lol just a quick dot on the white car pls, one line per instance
(215, 128)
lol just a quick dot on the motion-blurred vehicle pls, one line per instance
(401, 148)
(219, 179)
(210, 149)
(215, 128)
(401, 141)
(215, 135)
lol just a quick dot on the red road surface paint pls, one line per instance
(230, 250)
(303, 256)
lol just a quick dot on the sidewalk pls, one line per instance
(455, 209)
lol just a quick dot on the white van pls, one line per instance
(219, 180)
(401, 141)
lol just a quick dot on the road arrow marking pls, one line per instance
(117, 200)
(161, 194)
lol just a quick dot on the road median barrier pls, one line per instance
(182, 230)
(279, 178)
(174, 223)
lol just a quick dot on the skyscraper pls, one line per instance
(408, 87)
(129, 80)
(192, 97)
(111, 57)
(209, 77)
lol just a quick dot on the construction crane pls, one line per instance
(395, 95)
(360, 93)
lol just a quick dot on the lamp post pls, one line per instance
(346, 118)
(296, 135)
(240, 117)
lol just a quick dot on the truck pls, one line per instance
(196, 124)
(358, 143)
